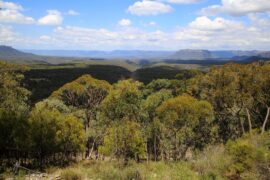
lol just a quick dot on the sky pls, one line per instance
(135, 24)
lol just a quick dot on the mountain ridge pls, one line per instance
(183, 54)
(12, 55)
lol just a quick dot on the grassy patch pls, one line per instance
(115, 170)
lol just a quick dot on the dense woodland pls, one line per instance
(42, 82)
(165, 120)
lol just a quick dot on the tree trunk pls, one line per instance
(242, 126)
(155, 147)
(147, 152)
(249, 120)
(92, 148)
(266, 119)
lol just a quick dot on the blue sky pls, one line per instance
(135, 24)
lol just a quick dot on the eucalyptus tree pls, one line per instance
(85, 95)
(54, 131)
(186, 123)
(122, 114)
(13, 108)
(239, 95)
(150, 123)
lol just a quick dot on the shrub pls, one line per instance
(71, 174)
(212, 163)
(250, 156)
(243, 155)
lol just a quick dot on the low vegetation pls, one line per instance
(212, 125)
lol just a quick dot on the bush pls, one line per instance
(250, 156)
(71, 174)
(212, 163)
(243, 155)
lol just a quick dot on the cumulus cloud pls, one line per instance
(73, 13)
(238, 7)
(53, 18)
(182, 1)
(203, 32)
(204, 23)
(147, 7)
(90, 38)
(10, 5)
(11, 13)
(124, 22)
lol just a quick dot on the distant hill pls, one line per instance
(132, 57)
(265, 54)
(184, 54)
(190, 54)
(8, 52)
(117, 54)
(12, 55)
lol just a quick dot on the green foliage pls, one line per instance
(250, 154)
(243, 156)
(186, 124)
(123, 101)
(77, 92)
(13, 96)
(124, 140)
(151, 170)
(13, 107)
(148, 74)
(84, 96)
(212, 163)
(152, 127)
(154, 100)
(71, 174)
(52, 131)
(13, 130)
(130, 121)
(234, 90)
(44, 80)
(175, 86)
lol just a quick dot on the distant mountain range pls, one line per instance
(117, 54)
(182, 56)
(185, 54)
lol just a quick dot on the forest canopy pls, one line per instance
(164, 120)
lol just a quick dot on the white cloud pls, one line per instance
(53, 17)
(11, 38)
(182, 1)
(6, 34)
(89, 38)
(203, 32)
(72, 13)
(147, 7)
(204, 23)
(239, 7)
(10, 5)
(259, 21)
(231, 35)
(124, 22)
(11, 13)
